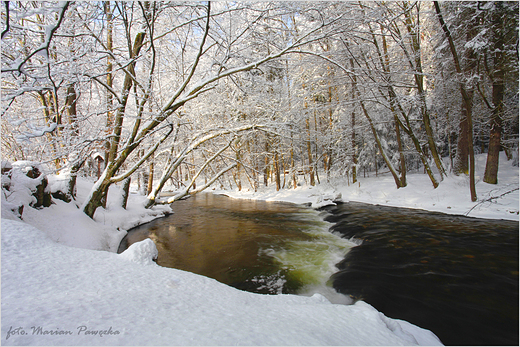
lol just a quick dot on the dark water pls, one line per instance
(454, 275)
(257, 246)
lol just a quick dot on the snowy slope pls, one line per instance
(59, 295)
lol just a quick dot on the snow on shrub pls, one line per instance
(23, 184)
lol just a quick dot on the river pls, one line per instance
(454, 275)
(257, 246)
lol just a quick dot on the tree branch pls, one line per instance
(48, 38)
(6, 30)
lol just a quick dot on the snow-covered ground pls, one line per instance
(59, 295)
(62, 283)
(498, 201)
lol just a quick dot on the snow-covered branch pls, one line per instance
(49, 33)
(185, 192)
(145, 157)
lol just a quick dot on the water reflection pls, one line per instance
(258, 246)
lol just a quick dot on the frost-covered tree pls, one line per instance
(238, 92)
(164, 55)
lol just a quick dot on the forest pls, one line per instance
(245, 94)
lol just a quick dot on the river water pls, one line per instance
(454, 275)
(258, 246)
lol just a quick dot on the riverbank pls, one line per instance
(58, 295)
(500, 201)
(61, 277)
(63, 284)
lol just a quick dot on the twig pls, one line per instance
(491, 198)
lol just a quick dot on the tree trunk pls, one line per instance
(498, 77)
(109, 96)
(354, 147)
(99, 194)
(353, 125)
(126, 192)
(266, 162)
(293, 169)
(467, 101)
(380, 147)
(470, 63)
(419, 82)
(277, 170)
(461, 158)
(150, 178)
(386, 67)
(70, 105)
(395, 107)
(309, 153)
(491, 173)
(401, 151)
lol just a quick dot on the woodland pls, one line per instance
(245, 94)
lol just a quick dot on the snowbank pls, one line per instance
(498, 201)
(66, 224)
(58, 295)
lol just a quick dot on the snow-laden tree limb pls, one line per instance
(491, 199)
(49, 33)
(185, 192)
(144, 158)
(7, 25)
(197, 141)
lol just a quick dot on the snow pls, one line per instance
(21, 185)
(54, 294)
(37, 131)
(452, 196)
(143, 252)
(63, 283)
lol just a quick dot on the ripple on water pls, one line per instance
(258, 246)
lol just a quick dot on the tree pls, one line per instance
(194, 92)
(186, 91)
(504, 36)
(39, 75)
(467, 103)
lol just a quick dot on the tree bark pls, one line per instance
(491, 173)
(109, 96)
(498, 78)
(150, 177)
(467, 100)
(353, 125)
(309, 153)
(277, 170)
(266, 162)
(354, 145)
(70, 105)
(126, 192)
